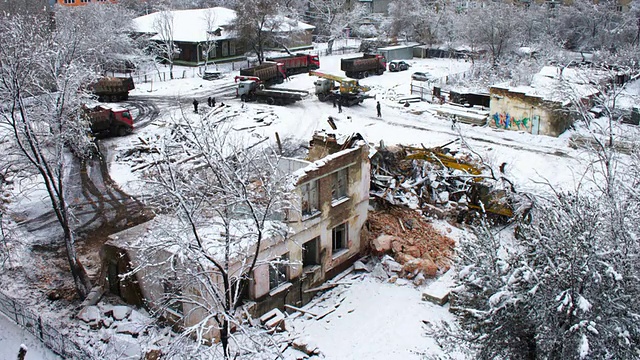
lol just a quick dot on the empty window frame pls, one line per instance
(310, 200)
(339, 238)
(339, 184)
(278, 274)
(311, 252)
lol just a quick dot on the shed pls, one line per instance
(397, 52)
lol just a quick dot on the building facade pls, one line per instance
(331, 189)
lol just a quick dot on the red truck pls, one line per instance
(268, 73)
(362, 67)
(298, 63)
(109, 120)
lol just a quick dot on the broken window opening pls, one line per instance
(310, 253)
(310, 199)
(339, 185)
(278, 274)
(339, 238)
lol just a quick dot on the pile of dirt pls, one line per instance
(414, 243)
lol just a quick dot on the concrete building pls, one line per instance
(545, 106)
(331, 189)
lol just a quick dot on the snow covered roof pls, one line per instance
(559, 84)
(190, 25)
(193, 25)
(396, 47)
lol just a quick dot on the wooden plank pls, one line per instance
(300, 310)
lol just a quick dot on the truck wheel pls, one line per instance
(322, 97)
(380, 72)
(271, 101)
(122, 131)
(365, 74)
(243, 97)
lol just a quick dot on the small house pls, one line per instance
(546, 106)
(207, 35)
(397, 52)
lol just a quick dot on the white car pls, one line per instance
(420, 76)
(212, 75)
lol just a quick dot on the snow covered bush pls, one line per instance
(564, 288)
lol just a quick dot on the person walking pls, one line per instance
(209, 101)
(195, 105)
(334, 101)
(454, 119)
(213, 101)
(339, 106)
(378, 109)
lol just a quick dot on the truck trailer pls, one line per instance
(251, 90)
(269, 73)
(298, 63)
(362, 67)
(112, 89)
(109, 120)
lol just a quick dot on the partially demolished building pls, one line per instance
(331, 188)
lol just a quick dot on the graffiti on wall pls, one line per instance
(506, 121)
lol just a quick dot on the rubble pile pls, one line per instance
(416, 246)
(433, 180)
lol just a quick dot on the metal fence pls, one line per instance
(58, 342)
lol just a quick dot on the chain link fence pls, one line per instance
(58, 342)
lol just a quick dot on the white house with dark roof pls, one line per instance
(197, 30)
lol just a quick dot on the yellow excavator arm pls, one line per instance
(346, 85)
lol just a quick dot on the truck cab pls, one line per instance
(246, 89)
(111, 120)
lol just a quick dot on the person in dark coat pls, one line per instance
(378, 109)
(213, 101)
(340, 106)
(195, 105)
(209, 101)
(334, 101)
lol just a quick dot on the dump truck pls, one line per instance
(252, 90)
(362, 67)
(268, 73)
(298, 63)
(349, 92)
(112, 89)
(109, 120)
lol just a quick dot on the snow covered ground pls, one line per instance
(12, 336)
(376, 320)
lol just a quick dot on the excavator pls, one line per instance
(349, 92)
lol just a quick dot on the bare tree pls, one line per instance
(493, 27)
(210, 44)
(260, 24)
(420, 20)
(228, 198)
(332, 17)
(164, 48)
(43, 72)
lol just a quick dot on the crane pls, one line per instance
(350, 92)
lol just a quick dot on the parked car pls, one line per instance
(420, 76)
(398, 65)
(211, 75)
